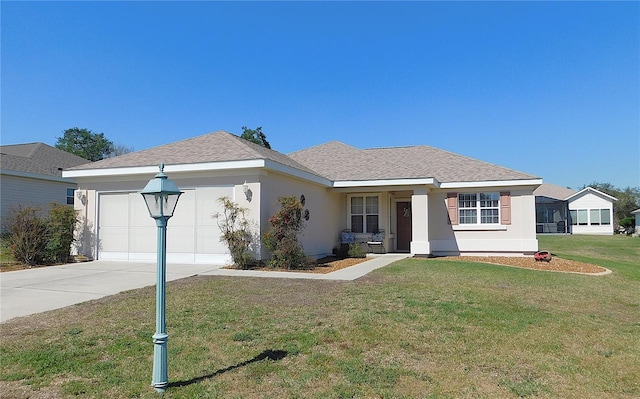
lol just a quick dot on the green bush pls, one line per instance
(28, 235)
(356, 251)
(60, 225)
(282, 237)
(37, 240)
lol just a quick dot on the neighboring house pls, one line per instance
(563, 210)
(552, 209)
(420, 199)
(31, 175)
(636, 213)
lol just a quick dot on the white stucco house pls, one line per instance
(31, 175)
(426, 201)
(563, 210)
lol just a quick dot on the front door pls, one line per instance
(403, 226)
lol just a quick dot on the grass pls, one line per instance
(415, 329)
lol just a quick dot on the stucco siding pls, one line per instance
(20, 191)
(518, 237)
(116, 224)
(321, 231)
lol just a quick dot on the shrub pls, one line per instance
(356, 251)
(28, 235)
(282, 237)
(37, 240)
(61, 223)
(236, 232)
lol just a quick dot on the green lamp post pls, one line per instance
(161, 196)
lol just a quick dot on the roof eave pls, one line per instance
(492, 183)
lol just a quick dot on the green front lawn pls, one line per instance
(415, 329)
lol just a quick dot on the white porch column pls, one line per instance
(420, 222)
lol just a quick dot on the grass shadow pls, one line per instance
(268, 354)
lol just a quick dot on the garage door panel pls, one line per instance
(184, 214)
(113, 239)
(181, 239)
(126, 231)
(114, 210)
(143, 239)
(208, 241)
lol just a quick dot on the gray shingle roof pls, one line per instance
(37, 158)
(218, 146)
(334, 160)
(553, 191)
(339, 161)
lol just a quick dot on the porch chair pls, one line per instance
(376, 243)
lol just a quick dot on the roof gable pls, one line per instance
(553, 191)
(591, 190)
(218, 146)
(339, 161)
(37, 158)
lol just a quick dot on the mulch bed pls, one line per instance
(528, 262)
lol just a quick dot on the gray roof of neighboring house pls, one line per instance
(553, 191)
(218, 146)
(339, 161)
(37, 158)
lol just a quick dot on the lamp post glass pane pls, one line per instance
(161, 204)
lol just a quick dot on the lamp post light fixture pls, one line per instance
(161, 196)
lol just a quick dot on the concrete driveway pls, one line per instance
(26, 292)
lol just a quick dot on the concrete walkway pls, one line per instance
(26, 292)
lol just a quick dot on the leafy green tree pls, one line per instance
(86, 144)
(255, 136)
(628, 199)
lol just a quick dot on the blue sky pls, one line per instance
(548, 88)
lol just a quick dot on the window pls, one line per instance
(605, 217)
(479, 208)
(599, 217)
(364, 213)
(594, 217)
(70, 196)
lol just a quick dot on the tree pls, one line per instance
(628, 199)
(255, 136)
(85, 143)
(120, 149)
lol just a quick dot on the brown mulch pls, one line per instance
(324, 265)
(528, 262)
(331, 264)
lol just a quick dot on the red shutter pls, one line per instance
(452, 207)
(505, 207)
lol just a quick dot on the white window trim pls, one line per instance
(478, 225)
(364, 221)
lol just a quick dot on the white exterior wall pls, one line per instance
(322, 230)
(192, 233)
(516, 238)
(589, 200)
(22, 191)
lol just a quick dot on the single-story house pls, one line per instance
(31, 175)
(416, 199)
(563, 210)
(636, 213)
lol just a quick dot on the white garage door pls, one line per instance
(126, 232)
